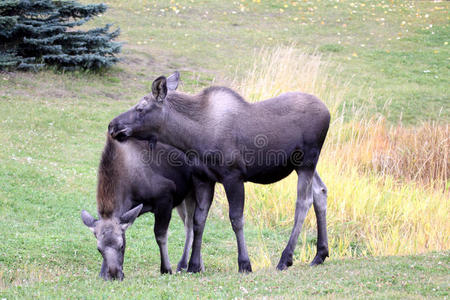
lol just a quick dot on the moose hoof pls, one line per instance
(182, 266)
(316, 261)
(194, 268)
(319, 258)
(285, 262)
(166, 271)
(245, 267)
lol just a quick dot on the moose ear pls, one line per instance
(159, 88)
(128, 218)
(173, 81)
(88, 220)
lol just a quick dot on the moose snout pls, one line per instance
(115, 273)
(111, 128)
(117, 130)
(112, 273)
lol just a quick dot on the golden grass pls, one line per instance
(287, 69)
(418, 154)
(388, 185)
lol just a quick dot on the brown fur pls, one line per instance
(108, 172)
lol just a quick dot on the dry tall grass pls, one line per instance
(417, 154)
(287, 69)
(388, 185)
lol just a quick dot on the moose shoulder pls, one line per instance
(233, 141)
(133, 180)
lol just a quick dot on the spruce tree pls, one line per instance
(35, 33)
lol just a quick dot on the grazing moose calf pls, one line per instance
(234, 141)
(131, 181)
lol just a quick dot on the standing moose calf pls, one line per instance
(133, 180)
(232, 141)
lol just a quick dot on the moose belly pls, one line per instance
(266, 175)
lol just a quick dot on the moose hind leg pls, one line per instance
(320, 208)
(186, 211)
(304, 201)
(161, 226)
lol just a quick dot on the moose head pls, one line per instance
(110, 234)
(145, 119)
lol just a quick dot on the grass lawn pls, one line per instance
(393, 55)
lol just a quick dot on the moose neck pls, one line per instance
(181, 131)
(110, 176)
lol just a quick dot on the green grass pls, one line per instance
(47, 251)
(52, 129)
(386, 49)
(394, 53)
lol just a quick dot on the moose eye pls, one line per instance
(139, 109)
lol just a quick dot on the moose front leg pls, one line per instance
(204, 193)
(234, 190)
(162, 220)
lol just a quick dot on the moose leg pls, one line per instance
(304, 201)
(204, 193)
(234, 190)
(320, 208)
(186, 211)
(162, 220)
